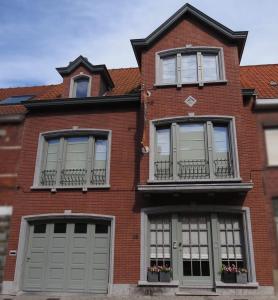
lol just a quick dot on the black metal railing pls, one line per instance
(163, 170)
(48, 177)
(223, 168)
(193, 169)
(73, 177)
(98, 176)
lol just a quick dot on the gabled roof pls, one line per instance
(262, 78)
(239, 37)
(81, 60)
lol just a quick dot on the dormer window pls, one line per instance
(189, 65)
(81, 87)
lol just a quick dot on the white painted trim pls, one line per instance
(266, 103)
(195, 208)
(24, 237)
(72, 80)
(169, 120)
(6, 210)
(10, 147)
(65, 132)
(8, 175)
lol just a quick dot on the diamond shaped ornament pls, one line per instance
(190, 101)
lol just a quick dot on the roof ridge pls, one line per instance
(30, 86)
(259, 65)
(124, 68)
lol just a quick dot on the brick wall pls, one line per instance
(214, 99)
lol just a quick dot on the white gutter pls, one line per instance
(266, 103)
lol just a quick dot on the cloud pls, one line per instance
(37, 38)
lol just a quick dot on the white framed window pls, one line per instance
(73, 159)
(271, 141)
(80, 86)
(190, 65)
(194, 149)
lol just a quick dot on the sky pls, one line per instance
(36, 36)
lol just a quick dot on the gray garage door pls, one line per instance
(67, 257)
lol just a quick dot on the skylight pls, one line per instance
(16, 99)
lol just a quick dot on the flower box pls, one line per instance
(228, 277)
(241, 277)
(165, 276)
(153, 276)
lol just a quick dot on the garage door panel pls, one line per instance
(68, 257)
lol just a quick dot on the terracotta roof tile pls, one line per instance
(126, 80)
(259, 78)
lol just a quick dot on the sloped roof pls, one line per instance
(239, 37)
(262, 78)
(128, 80)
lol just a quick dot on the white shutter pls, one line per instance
(189, 68)
(76, 152)
(169, 69)
(210, 67)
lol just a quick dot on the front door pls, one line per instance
(194, 255)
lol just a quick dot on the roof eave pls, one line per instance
(238, 36)
(103, 100)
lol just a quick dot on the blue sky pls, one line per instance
(36, 36)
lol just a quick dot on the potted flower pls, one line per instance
(165, 273)
(228, 273)
(241, 275)
(153, 274)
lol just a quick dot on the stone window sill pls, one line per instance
(173, 283)
(83, 188)
(220, 284)
(200, 84)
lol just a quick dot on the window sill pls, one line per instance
(207, 181)
(158, 85)
(221, 284)
(173, 283)
(83, 188)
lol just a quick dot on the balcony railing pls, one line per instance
(98, 176)
(71, 177)
(223, 168)
(48, 177)
(194, 169)
(163, 170)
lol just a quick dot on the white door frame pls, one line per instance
(24, 238)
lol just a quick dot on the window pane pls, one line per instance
(52, 154)
(192, 141)
(81, 87)
(100, 153)
(189, 68)
(76, 153)
(169, 69)
(210, 67)
(80, 228)
(40, 228)
(271, 137)
(163, 142)
(101, 228)
(60, 228)
(221, 139)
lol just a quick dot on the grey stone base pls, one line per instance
(133, 291)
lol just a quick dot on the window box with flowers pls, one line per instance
(233, 274)
(165, 274)
(153, 274)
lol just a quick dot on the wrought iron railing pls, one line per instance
(163, 170)
(193, 169)
(73, 177)
(48, 177)
(98, 176)
(223, 168)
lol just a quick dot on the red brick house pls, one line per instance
(115, 171)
